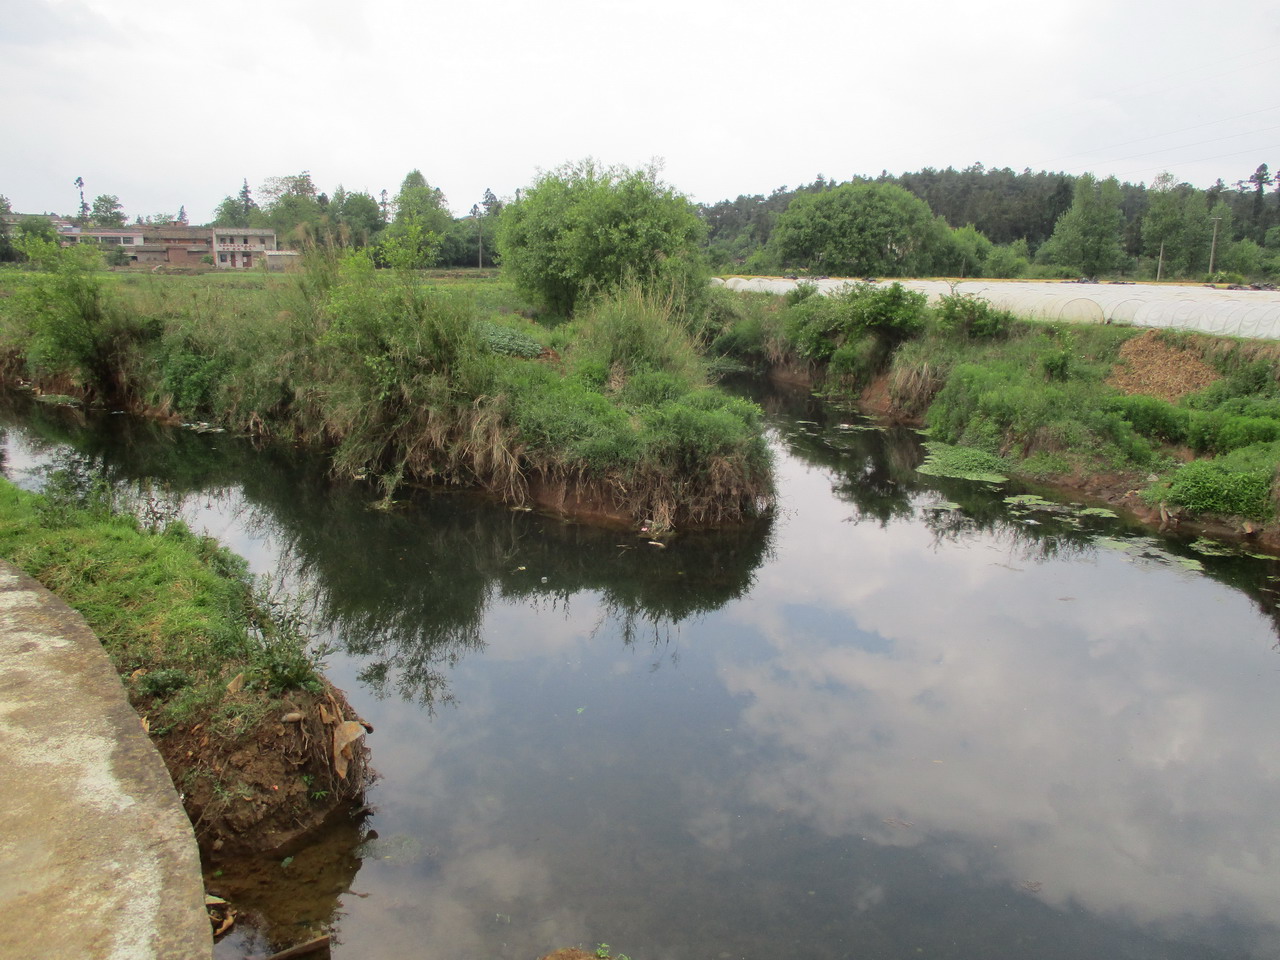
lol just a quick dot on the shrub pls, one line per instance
(970, 316)
(818, 326)
(1153, 417)
(1238, 484)
(583, 226)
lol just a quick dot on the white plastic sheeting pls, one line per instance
(1228, 313)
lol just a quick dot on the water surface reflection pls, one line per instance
(899, 720)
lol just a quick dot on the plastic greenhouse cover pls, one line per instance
(1234, 313)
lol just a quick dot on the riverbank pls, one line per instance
(1175, 427)
(260, 747)
(612, 414)
(99, 859)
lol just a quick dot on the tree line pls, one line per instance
(998, 223)
(969, 223)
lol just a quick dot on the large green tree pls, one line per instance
(422, 219)
(1087, 238)
(107, 211)
(861, 229)
(585, 226)
(1176, 228)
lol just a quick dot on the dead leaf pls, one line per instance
(227, 921)
(344, 735)
(146, 724)
(236, 684)
(325, 716)
(293, 717)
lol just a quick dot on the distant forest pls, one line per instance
(968, 223)
(1004, 224)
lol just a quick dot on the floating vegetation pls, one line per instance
(1030, 501)
(1146, 548)
(1098, 512)
(58, 399)
(1211, 548)
(945, 506)
(860, 427)
(962, 463)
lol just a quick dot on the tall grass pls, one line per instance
(407, 381)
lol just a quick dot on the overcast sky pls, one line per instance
(167, 103)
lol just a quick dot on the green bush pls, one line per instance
(1238, 484)
(970, 316)
(818, 326)
(1152, 417)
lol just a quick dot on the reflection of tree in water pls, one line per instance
(874, 469)
(408, 589)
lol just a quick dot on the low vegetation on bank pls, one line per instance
(225, 678)
(1185, 423)
(611, 412)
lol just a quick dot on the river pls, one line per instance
(906, 717)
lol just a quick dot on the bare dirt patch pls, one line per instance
(277, 782)
(1149, 365)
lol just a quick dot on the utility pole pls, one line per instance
(1213, 247)
(475, 212)
(1160, 265)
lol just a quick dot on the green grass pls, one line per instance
(178, 614)
(413, 376)
(1006, 396)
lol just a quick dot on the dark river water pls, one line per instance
(904, 718)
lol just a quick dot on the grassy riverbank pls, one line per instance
(211, 663)
(410, 379)
(1169, 423)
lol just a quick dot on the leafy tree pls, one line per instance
(182, 214)
(33, 227)
(1257, 184)
(422, 219)
(238, 211)
(1087, 237)
(1177, 222)
(861, 229)
(107, 211)
(230, 213)
(584, 226)
(291, 206)
(8, 252)
(970, 251)
(356, 215)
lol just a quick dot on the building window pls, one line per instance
(222, 258)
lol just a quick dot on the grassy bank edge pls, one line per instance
(1054, 403)
(206, 662)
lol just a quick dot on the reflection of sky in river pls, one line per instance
(893, 745)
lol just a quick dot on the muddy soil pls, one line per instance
(274, 784)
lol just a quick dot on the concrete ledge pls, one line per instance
(97, 857)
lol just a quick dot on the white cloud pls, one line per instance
(168, 104)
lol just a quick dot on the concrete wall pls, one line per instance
(97, 857)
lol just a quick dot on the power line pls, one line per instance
(1197, 143)
(1170, 133)
(1221, 156)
